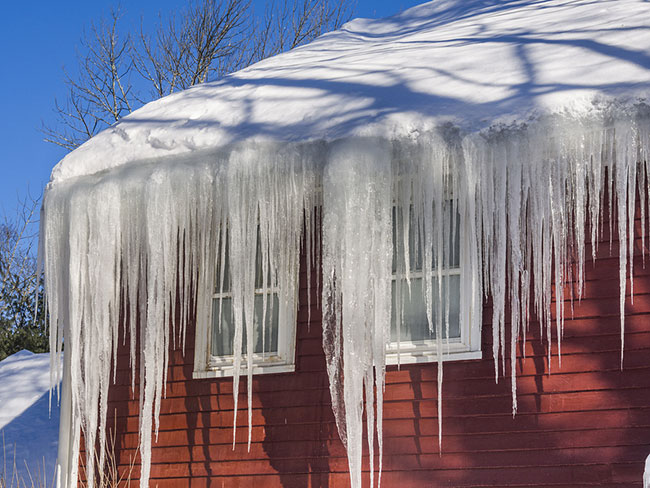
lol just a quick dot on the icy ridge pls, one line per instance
(123, 248)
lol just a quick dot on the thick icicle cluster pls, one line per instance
(139, 248)
(357, 257)
(126, 247)
(523, 198)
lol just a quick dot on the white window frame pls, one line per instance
(468, 347)
(207, 365)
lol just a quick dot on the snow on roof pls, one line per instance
(473, 63)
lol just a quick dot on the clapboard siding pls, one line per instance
(585, 424)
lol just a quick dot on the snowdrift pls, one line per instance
(29, 430)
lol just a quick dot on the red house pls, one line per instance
(257, 280)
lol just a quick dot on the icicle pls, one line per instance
(357, 252)
(133, 243)
(621, 169)
(269, 189)
(149, 242)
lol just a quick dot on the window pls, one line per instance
(274, 325)
(411, 341)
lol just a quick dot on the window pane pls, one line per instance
(415, 250)
(222, 338)
(415, 242)
(259, 277)
(222, 283)
(414, 325)
(224, 286)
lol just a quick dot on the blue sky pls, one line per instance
(38, 40)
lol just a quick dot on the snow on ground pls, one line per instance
(29, 430)
(473, 63)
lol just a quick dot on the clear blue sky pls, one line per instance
(38, 39)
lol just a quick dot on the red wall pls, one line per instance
(587, 423)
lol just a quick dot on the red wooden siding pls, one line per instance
(585, 424)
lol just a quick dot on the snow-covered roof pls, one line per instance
(473, 63)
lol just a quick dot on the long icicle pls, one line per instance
(151, 231)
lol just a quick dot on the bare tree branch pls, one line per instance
(22, 323)
(17, 264)
(206, 41)
(290, 23)
(101, 92)
(193, 47)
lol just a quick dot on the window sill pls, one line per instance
(412, 357)
(227, 371)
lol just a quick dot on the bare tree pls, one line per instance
(289, 23)
(22, 323)
(102, 91)
(201, 43)
(209, 39)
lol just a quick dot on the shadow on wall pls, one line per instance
(299, 427)
(297, 438)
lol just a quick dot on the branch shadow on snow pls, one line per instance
(396, 93)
